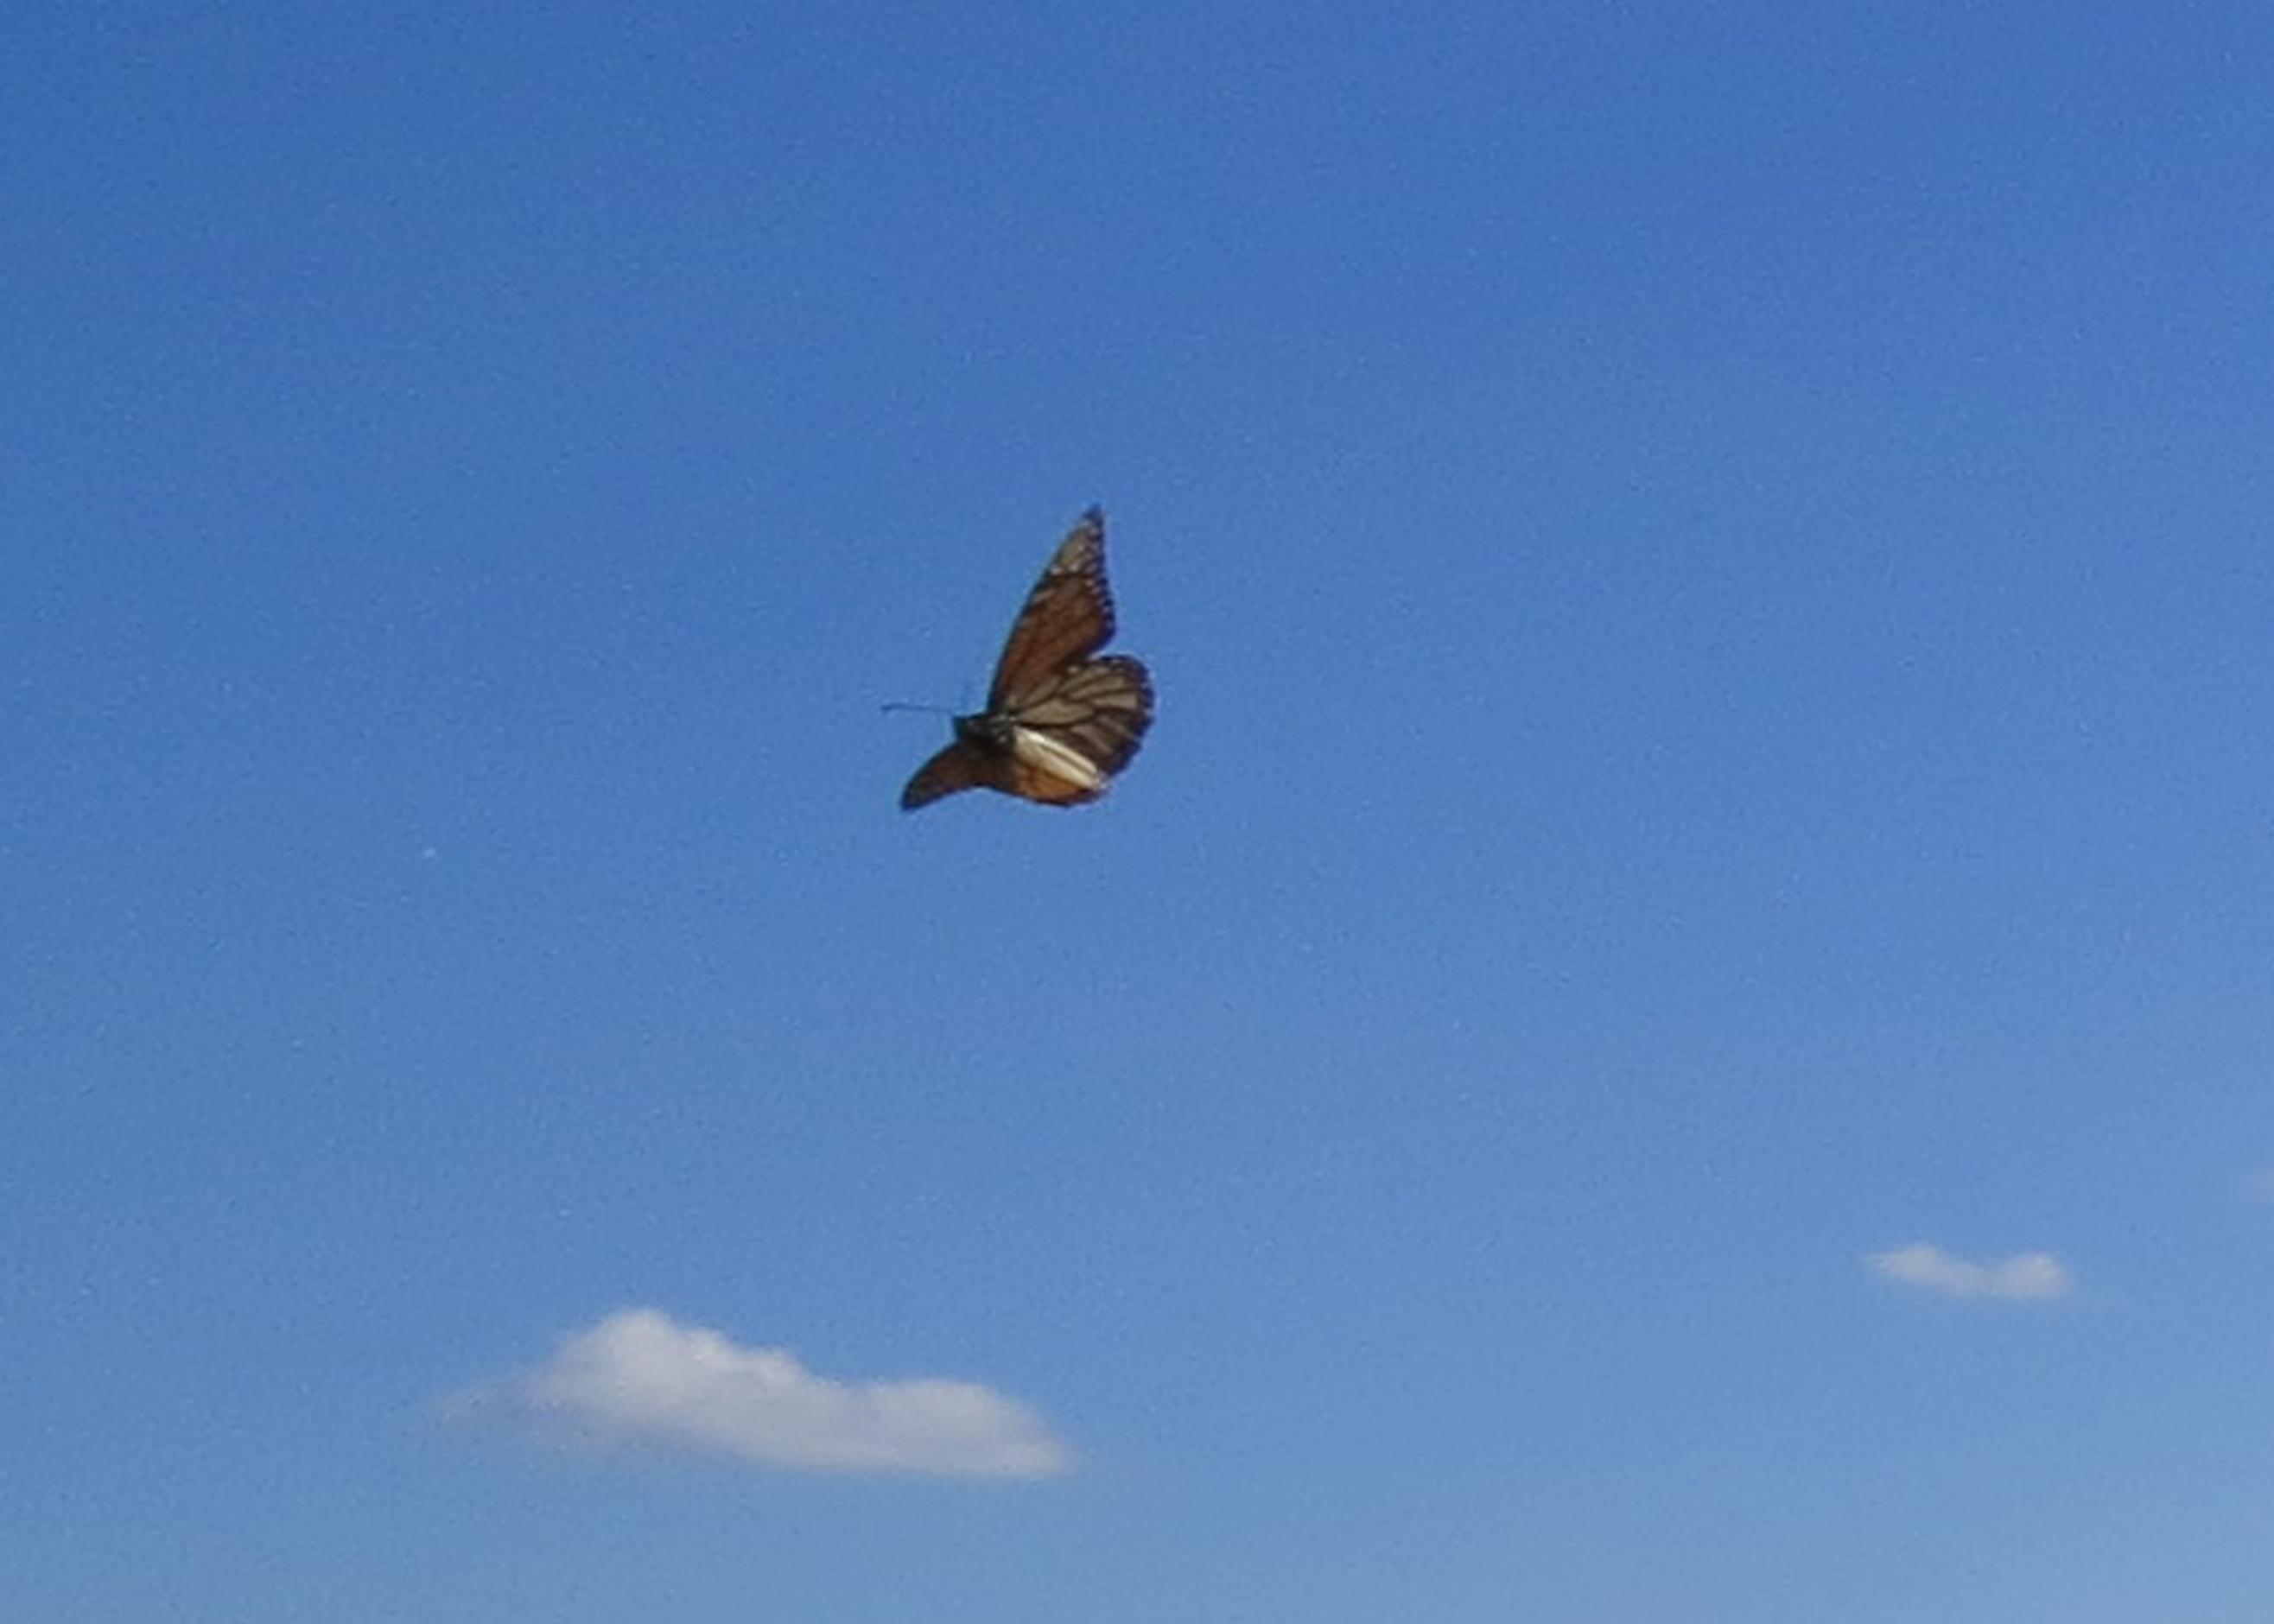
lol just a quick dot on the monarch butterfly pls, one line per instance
(1058, 724)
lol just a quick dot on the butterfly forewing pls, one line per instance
(1068, 614)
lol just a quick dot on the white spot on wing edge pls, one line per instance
(1036, 750)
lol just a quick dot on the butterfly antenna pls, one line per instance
(901, 704)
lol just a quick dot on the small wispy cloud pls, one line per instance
(2026, 1277)
(2259, 1186)
(640, 1377)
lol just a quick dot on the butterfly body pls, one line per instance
(1060, 719)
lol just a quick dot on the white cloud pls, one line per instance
(641, 1377)
(2029, 1276)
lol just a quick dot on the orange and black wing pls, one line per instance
(1068, 616)
(960, 766)
(1078, 727)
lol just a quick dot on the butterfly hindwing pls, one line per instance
(1048, 783)
(1098, 710)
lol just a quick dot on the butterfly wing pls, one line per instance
(1069, 616)
(960, 766)
(1076, 729)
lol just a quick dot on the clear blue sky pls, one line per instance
(1675, 1022)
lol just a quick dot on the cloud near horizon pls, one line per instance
(2029, 1276)
(640, 1377)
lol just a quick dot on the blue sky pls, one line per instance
(1674, 1022)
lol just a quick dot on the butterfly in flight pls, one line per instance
(1059, 721)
